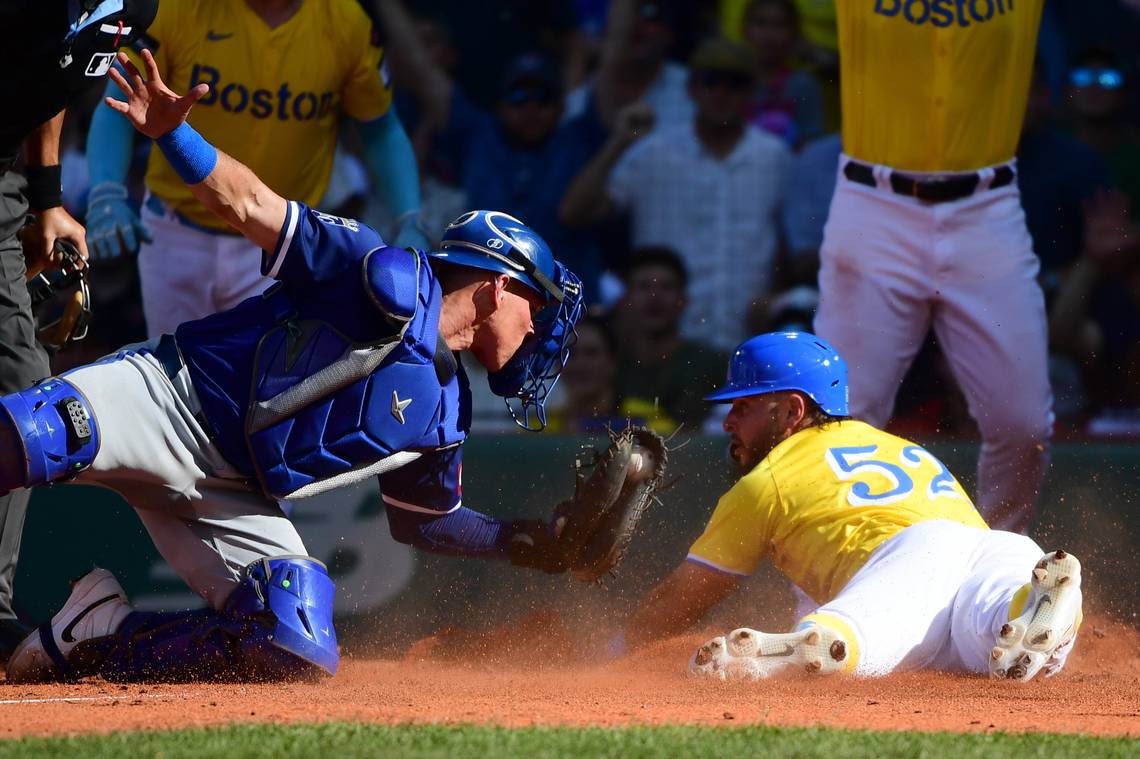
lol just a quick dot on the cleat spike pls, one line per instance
(838, 650)
(812, 637)
(1006, 630)
(1062, 581)
(814, 666)
(1060, 555)
(1040, 575)
(996, 653)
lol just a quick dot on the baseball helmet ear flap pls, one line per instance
(787, 361)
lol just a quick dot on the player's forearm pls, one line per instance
(392, 163)
(411, 67)
(659, 616)
(41, 146)
(225, 186)
(110, 142)
(585, 200)
(234, 193)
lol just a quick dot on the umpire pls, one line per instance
(63, 47)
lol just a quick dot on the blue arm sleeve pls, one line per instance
(110, 142)
(425, 509)
(392, 163)
(460, 532)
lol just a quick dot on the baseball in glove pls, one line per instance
(591, 532)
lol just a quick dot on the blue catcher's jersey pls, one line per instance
(331, 376)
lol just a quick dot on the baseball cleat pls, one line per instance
(746, 653)
(1042, 637)
(95, 609)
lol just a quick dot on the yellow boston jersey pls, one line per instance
(935, 85)
(276, 95)
(823, 500)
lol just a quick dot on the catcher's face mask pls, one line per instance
(61, 300)
(527, 379)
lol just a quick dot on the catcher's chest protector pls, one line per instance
(326, 412)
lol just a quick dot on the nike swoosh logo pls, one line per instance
(66, 636)
(214, 36)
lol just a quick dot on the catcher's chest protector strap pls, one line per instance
(445, 364)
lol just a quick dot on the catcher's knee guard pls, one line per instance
(294, 596)
(276, 625)
(52, 432)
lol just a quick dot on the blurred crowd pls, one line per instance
(680, 156)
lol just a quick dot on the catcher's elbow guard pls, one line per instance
(53, 426)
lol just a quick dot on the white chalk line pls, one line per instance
(85, 699)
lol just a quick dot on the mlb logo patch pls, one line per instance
(99, 64)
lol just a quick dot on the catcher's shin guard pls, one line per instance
(48, 433)
(276, 625)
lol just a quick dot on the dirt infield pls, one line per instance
(533, 676)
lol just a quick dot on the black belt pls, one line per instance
(939, 190)
(167, 354)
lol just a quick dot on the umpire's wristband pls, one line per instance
(189, 153)
(45, 186)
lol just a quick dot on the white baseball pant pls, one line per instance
(202, 515)
(892, 267)
(935, 596)
(188, 273)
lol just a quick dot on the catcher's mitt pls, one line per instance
(595, 527)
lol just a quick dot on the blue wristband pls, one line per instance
(189, 153)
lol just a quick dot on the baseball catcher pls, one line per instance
(343, 370)
(873, 527)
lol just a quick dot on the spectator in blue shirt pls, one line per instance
(519, 158)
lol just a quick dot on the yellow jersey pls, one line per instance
(935, 85)
(823, 500)
(276, 95)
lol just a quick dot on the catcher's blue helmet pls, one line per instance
(498, 242)
(787, 361)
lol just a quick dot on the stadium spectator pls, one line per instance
(489, 36)
(661, 376)
(521, 158)
(788, 100)
(587, 393)
(711, 189)
(634, 66)
(1095, 315)
(1099, 99)
(282, 76)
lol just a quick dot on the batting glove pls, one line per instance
(113, 228)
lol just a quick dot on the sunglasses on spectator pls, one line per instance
(523, 95)
(1105, 78)
(730, 79)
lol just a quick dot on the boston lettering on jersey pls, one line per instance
(944, 13)
(261, 104)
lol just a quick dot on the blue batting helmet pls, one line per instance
(498, 242)
(787, 361)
